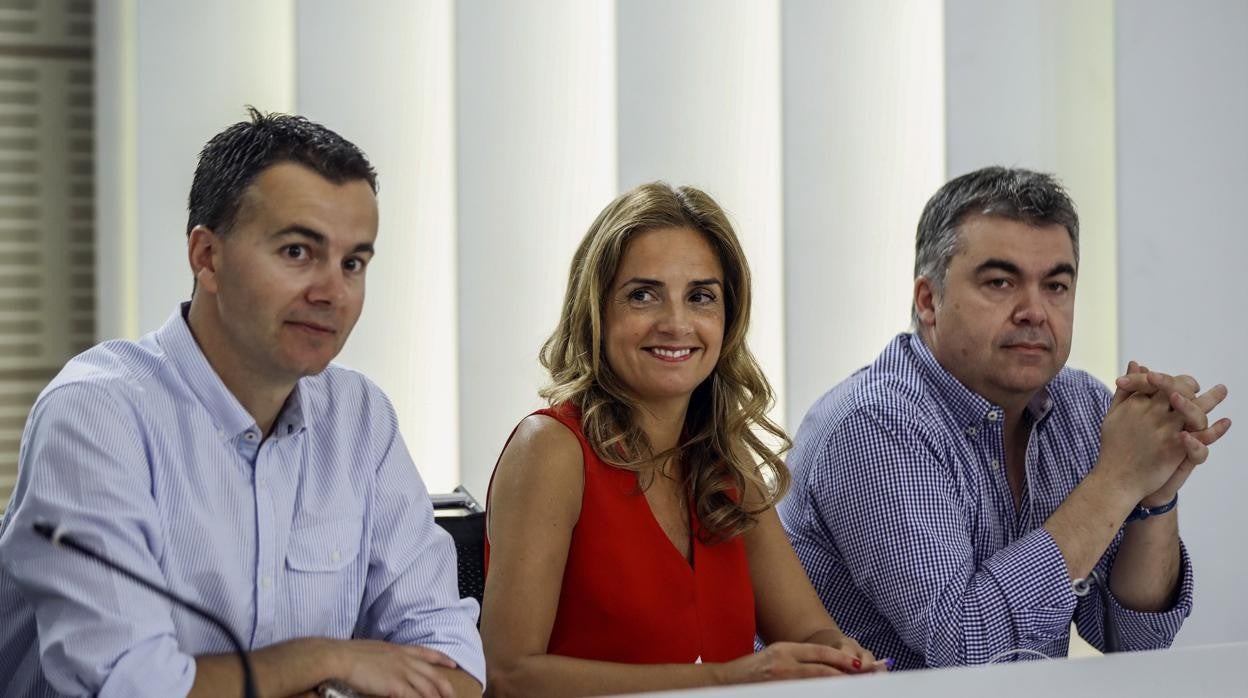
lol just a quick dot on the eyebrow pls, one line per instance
(319, 238)
(655, 282)
(1012, 268)
(999, 265)
(1063, 268)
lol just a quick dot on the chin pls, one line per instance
(307, 367)
(1031, 381)
(666, 394)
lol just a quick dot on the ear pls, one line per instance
(925, 301)
(203, 251)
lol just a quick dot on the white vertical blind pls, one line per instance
(864, 149)
(702, 107)
(536, 161)
(406, 338)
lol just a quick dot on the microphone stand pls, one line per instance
(58, 538)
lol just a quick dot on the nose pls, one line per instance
(675, 320)
(1030, 309)
(329, 287)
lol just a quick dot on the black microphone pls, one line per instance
(58, 538)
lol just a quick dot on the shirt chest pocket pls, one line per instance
(324, 578)
(326, 546)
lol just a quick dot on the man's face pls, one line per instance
(1002, 325)
(286, 285)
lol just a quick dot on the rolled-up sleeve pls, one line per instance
(83, 467)
(1110, 627)
(888, 498)
(412, 591)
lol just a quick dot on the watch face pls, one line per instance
(335, 689)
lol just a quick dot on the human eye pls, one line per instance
(702, 296)
(1058, 287)
(642, 294)
(997, 283)
(354, 264)
(295, 251)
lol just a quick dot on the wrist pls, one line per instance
(324, 661)
(831, 637)
(1158, 499)
(1119, 494)
(1147, 511)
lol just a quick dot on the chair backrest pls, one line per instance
(464, 518)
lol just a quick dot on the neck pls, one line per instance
(262, 398)
(1016, 426)
(662, 424)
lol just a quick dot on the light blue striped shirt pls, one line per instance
(140, 451)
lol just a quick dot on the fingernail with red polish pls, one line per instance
(857, 663)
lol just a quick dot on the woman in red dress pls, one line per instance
(633, 542)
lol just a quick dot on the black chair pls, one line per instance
(464, 518)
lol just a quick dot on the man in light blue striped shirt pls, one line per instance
(224, 458)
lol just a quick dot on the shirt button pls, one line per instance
(971, 431)
(335, 556)
(266, 582)
(994, 416)
(251, 436)
(994, 464)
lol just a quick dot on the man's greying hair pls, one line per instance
(1029, 197)
(230, 162)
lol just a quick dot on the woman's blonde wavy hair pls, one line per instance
(731, 474)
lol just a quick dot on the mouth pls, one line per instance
(314, 328)
(1028, 348)
(670, 354)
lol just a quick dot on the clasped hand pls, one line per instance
(1157, 431)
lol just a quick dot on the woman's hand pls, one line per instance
(793, 660)
(862, 654)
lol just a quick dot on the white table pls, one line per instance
(1213, 670)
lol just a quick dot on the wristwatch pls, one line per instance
(335, 689)
(1142, 512)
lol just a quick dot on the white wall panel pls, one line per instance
(1182, 171)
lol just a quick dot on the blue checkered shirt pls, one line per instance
(901, 513)
(139, 450)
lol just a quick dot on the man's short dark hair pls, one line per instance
(1034, 198)
(232, 160)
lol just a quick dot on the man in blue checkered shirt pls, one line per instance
(963, 498)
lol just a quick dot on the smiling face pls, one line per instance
(663, 324)
(1002, 324)
(283, 289)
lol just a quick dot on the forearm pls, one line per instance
(831, 637)
(552, 675)
(283, 669)
(1086, 523)
(1145, 575)
(465, 686)
(1012, 601)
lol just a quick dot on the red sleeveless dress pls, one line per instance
(629, 595)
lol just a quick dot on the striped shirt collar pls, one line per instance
(234, 421)
(970, 408)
